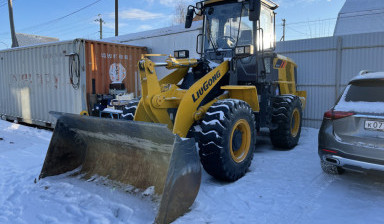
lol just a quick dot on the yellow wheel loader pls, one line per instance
(207, 111)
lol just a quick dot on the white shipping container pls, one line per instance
(35, 80)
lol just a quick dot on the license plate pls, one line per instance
(374, 125)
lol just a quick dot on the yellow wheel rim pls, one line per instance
(84, 113)
(295, 122)
(240, 141)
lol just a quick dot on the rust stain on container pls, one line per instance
(108, 62)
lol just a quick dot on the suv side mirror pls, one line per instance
(254, 10)
(189, 17)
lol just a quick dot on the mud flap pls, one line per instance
(140, 154)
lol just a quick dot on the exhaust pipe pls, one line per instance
(332, 160)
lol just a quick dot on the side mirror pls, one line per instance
(254, 10)
(199, 5)
(189, 18)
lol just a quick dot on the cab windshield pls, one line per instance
(227, 24)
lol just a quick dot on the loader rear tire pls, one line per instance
(227, 139)
(286, 120)
(130, 110)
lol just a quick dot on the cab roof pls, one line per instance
(268, 3)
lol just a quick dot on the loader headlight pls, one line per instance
(181, 54)
(239, 50)
(244, 50)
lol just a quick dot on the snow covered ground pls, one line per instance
(281, 187)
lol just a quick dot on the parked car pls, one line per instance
(352, 133)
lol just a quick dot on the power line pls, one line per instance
(7, 46)
(83, 20)
(70, 31)
(297, 31)
(4, 3)
(311, 21)
(60, 18)
(63, 17)
(64, 27)
(83, 24)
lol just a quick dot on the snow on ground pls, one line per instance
(58, 199)
(281, 187)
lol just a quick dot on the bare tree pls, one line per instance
(180, 12)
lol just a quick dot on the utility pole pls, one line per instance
(283, 37)
(116, 18)
(101, 21)
(13, 34)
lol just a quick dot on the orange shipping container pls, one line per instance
(109, 62)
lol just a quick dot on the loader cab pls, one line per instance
(228, 25)
(242, 32)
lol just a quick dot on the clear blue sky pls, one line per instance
(305, 18)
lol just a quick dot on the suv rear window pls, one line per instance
(366, 91)
(363, 96)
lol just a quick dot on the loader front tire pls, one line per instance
(227, 139)
(130, 110)
(286, 120)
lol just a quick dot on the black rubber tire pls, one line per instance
(331, 169)
(283, 108)
(130, 110)
(214, 139)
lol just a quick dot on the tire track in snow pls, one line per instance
(11, 195)
(305, 203)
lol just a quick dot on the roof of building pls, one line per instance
(360, 16)
(30, 39)
(196, 25)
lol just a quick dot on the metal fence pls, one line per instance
(325, 65)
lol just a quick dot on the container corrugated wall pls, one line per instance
(102, 58)
(34, 80)
(325, 65)
(37, 79)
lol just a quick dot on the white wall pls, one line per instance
(164, 41)
(360, 16)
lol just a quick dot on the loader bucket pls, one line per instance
(135, 153)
